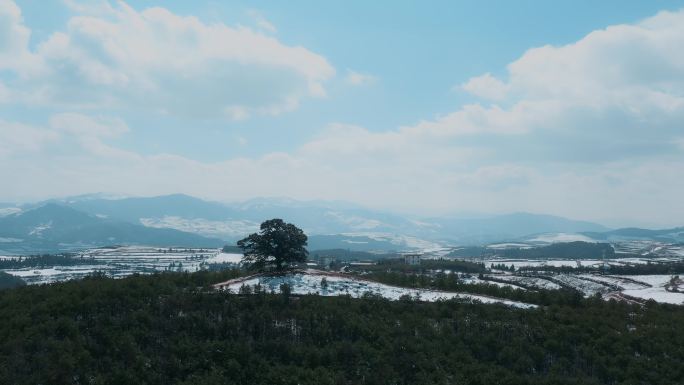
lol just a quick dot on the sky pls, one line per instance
(571, 108)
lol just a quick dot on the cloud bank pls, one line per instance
(591, 129)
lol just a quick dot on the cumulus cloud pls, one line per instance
(617, 92)
(14, 39)
(637, 67)
(486, 86)
(119, 58)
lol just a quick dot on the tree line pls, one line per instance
(171, 328)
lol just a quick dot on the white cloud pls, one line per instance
(121, 58)
(638, 67)
(14, 39)
(261, 21)
(486, 86)
(584, 130)
(18, 138)
(359, 79)
(615, 93)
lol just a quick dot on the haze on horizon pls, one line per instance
(569, 108)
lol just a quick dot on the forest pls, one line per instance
(9, 281)
(172, 328)
(562, 250)
(46, 260)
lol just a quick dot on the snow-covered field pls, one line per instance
(536, 282)
(123, 261)
(587, 287)
(518, 263)
(615, 281)
(649, 248)
(224, 258)
(509, 245)
(65, 273)
(638, 286)
(399, 240)
(561, 237)
(221, 229)
(475, 280)
(310, 283)
(657, 290)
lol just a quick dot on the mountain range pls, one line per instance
(181, 220)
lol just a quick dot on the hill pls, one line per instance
(672, 235)
(54, 227)
(340, 222)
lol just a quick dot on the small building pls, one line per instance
(412, 259)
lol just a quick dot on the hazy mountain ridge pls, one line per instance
(101, 219)
(672, 235)
(52, 227)
(233, 221)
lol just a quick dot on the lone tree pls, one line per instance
(277, 245)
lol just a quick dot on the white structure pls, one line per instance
(412, 259)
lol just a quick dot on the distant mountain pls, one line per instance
(372, 242)
(330, 224)
(673, 235)
(234, 221)
(511, 226)
(53, 227)
(133, 209)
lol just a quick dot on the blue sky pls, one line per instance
(571, 108)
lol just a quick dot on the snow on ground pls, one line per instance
(614, 280)
(510, 245)
(38, 230)
(537, 282)
(228, 228)
(561, 237)
(5, 211)
(122, 261)
(310, 283)
(476, 280)
(436, 252)
(64, 273)
(539, 262)
(225, 258)
(398, 239)
(588, 288)
(657, 292)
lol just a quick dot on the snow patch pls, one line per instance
(561, 237)
(310, 283)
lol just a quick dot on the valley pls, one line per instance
(118, 237)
